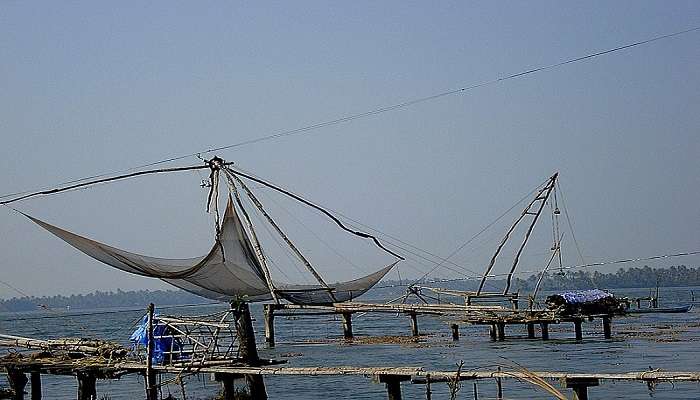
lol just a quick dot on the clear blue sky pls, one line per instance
(90, 87)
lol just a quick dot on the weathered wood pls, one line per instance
(577, 328)
(607, 330)
(501, 331)
(228, 388)
(544, 327)
(455, 332)
(499, 386)
(35, 378)
(580, 386)
(414, 323)
(428, 389)
(18, 381)
(347, 325)
(150, 381)
(269, 310)
(530, 330)
(247, 350)
(87, 389)
(393, 385)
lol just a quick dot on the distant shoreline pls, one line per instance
(630, 278)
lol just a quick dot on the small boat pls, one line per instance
(661, 310)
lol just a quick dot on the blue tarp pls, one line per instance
(584, 296)
(160, 344)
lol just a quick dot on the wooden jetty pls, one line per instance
(392, 377)
(495, 316)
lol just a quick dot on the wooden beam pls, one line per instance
(347, 325)
(35, 377)
(87, 389)
(17, 380)
(269, 310)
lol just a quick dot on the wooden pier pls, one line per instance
(392, 377)
(495, 316)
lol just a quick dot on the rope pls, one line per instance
(312, 205)
(94, 182)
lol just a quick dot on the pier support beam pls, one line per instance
(580, 387)
(269, 325)
(455, 332)
(544, 326)
(414, 323)
(228, 389)
(151, 388)
(492, 332)
(577, 328)
(247, 350)
(501, 331)
(347, 325)
(530, 330)
(17, 380)
(35, 377)
(393, 385)
(607, 329)
(86, 386)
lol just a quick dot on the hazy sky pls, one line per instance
(92, 87)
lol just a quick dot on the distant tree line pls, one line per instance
(624, 278)
(99, 299)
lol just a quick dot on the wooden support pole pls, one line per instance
(151, 388)
(577, 328)
(499, 387)
(580, 387)
(455, 332)
(544, 326)
(270, 325)
(247, 350)
(492, 332)
(35, 377)
(607, 331)
(17, 381)
(347, 325)
(501, 331)
(228, 389)
(414, 324)
(86, 386)
(530, 330)
(428, 391)
(393, 385)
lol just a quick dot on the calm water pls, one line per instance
(666, 341)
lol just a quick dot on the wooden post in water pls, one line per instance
(499, 387)
(35, 377)
(544, 326)
(580, 387)
(17, 381)
(347, 325)
(501, 331)
(247, 350)
(393, 385)
(455, 332)
(428, 391)
(151, 388)
(530, 330)
(87, 386)
(607, 331)
(414, 324)
(577, 328)
(228, 389)
(270, 325)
